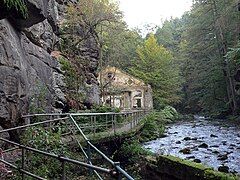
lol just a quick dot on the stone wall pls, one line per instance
(169, 167)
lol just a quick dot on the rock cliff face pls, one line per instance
(26, 68)
(29, 75)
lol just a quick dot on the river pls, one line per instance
(214, 143)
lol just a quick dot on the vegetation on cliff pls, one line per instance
(19, 5)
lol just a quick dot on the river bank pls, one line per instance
(214, 143)
(172, 139)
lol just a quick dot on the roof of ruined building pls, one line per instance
(120, 79)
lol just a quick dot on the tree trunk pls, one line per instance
(222, 44)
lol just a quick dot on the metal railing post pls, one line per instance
(117, 164)
(106, 122)
(23, 162)
(89, 156)
(91, 125)
(114, 123)
(63, 170)
(94, 126)
(131, 120)
(119, 176)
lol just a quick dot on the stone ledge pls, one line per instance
(187, 170)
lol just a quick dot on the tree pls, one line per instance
(83, 34)
(155, 66)
(169, 35)
(120, 46)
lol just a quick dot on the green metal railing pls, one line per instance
(110, 125)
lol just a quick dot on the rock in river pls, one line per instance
(203, 145)
(224, 142)
(215, 152)
(212, 135)
(222, 157)
(190, 157)
(223, 169)
(187, 139)
(178, 142)
(197, 161)
(185, 151)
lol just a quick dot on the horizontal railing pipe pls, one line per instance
(132, 119)
(21, 170)
(57, 157)
(33, 124)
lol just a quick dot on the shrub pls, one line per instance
(153, 127)
(169, 113)
(48, 140)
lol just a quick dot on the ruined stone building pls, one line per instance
(119, 89)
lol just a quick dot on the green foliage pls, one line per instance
(48, 140)
(132, 154)
(74, 80)
(38, 101)
(169, 113)
(234, 54)
(169, 35)
(104, 109)
(154, 123)
(44, 139)
(120, 46)
(153, 127)
(132, 150)
(19, 5)
(204, 45)
(155, 67)
(233, 58)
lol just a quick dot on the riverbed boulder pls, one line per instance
(178, 142)
(185, 151)
(190, 157)
(223, 168)
(187, 139)
(222, 157)
(203, 145)
(197, 161)
(212, 135)
(215, 152)
(224, 143)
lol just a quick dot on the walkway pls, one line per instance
(80, 126)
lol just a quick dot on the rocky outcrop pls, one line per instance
(88, 54)
(30, 78)
(27, 70)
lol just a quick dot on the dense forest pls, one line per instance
(191, 62)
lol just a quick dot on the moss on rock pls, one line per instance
(183, 169)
